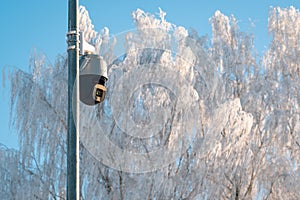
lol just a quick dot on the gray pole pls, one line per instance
(73, 103)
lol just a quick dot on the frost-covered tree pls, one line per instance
(40, 96)
(277, 127)
(229, 123)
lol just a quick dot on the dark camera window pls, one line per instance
(99, 92)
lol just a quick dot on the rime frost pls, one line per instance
(242, 111)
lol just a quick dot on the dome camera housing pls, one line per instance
(92, 79)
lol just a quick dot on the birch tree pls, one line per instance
(226, 125)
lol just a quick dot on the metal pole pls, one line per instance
(73, 103)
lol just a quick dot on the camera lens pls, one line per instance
(99, 92)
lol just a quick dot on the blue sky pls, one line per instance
(30, 24)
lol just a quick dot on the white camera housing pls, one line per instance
(92, 75)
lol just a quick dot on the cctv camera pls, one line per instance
(100, 90)
(92, 79)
